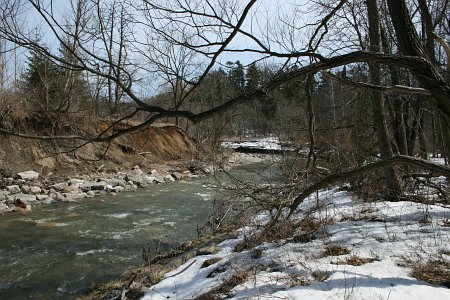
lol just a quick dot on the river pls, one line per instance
(59, 250)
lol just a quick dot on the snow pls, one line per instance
(268, 143)
(393, 234)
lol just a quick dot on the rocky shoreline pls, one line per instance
(29, 188)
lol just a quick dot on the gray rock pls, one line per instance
(3, 194)
(13, 189)
(134, 178)
(75, 181)
(169, 178)
(149, 179)
(117, 189)
(159, 179)
(177, 176)
(25, 197)
(92, 186)
(35, 190)
(28, 175)
(59, 186)
(115, 182)
(73, 197)
(42, 197)
(91, 193)
(25, 189)
(73, 188)
(3, 208)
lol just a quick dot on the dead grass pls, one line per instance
(433, 271)
(225, 288)
(355, 261)
(334, 250)
(210, 262)
(321, 275)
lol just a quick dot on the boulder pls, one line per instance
(93, 186)
(56, 196)
(177, 175)
(24, 197)
(42, 197)
(73, 197)
(169, 178)
(3, 194)
(159, 179)
(28, 175)
(73, 188)
(3, 208)
(22, 204)
(115, 182)
(13, 189)
(25, 189)
(137, 179)
(149, 178)
(35, 190)
(75, 181)
(59, 186)
(117, 189)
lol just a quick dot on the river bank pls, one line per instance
(29, 188)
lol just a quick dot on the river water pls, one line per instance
(59, 250)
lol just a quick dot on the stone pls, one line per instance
(117, 189)
(35, 190)
(72, 188)
(75, 181)
(73, 197)
(25, 189)
(159, 179)
(22, 204)
(42, 197)
(24, 197)
(169, 178)
(115, 182)
(177, 175)
(56, 196)
(3, 194)
(28, 175)
(3, 208)
(113, 194)
(59, 186)
(13, 189)
(93, 186)
(149, 179)
(90, 193)
(134, 178)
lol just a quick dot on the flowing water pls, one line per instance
(59, 250)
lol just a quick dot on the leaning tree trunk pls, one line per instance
(378, 101)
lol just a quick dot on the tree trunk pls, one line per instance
(378, 101)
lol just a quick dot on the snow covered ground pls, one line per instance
(362, 251)
(268, 143)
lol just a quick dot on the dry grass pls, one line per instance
(334, 250)
(321, 275)
(210, 262)
(355, 261)
(433, 271)
(225, 288)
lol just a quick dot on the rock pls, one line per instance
(117, 189)
(35, 190)
(3, 194)
(3, 208)
(177, 175)
(24, 197)
(59, 186)
(73, 188)
(149, 179)
(169, 178)
(153, 172)
(91, 193)
(28, 175)
(25, 189)
(115, 182)
(134, 178)
(113, 194)
(159, 179)
(42, 197)
(13, 189)
(75, 181)
(22, 204)
(92, 186)
(73, 197)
